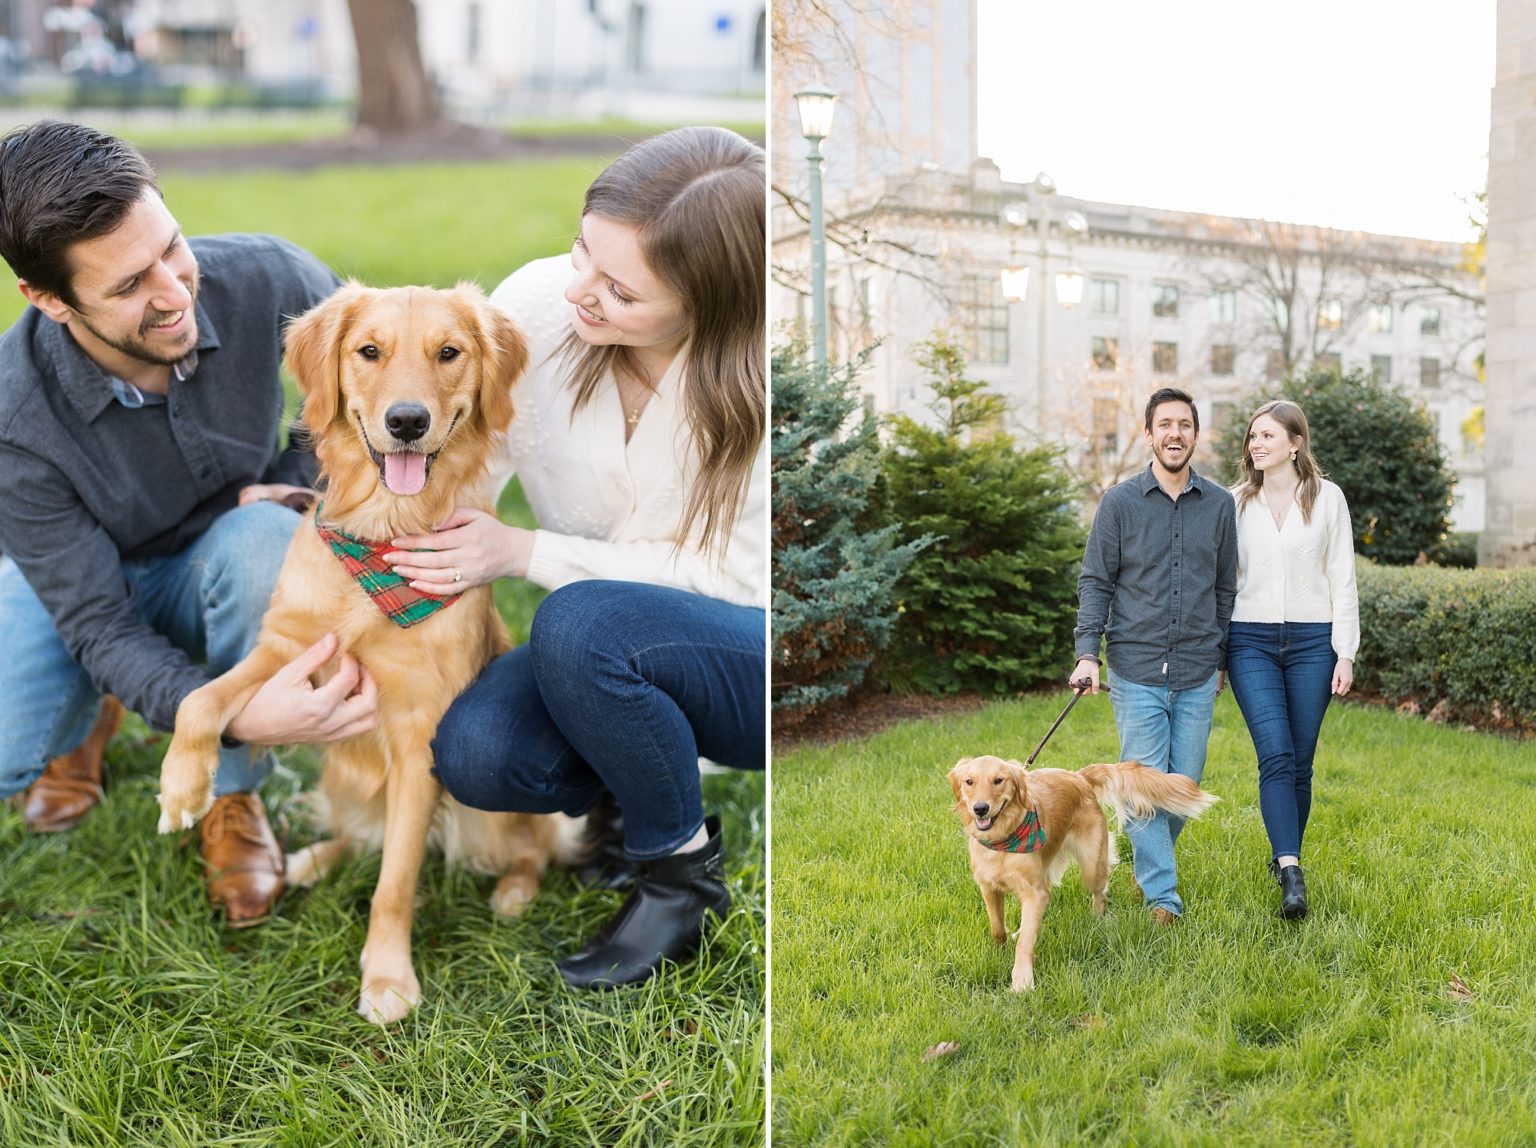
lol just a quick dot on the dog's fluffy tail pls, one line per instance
(1136, 791)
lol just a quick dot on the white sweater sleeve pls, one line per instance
(1340, 564)
(740, 577)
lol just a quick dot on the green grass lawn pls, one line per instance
(1402, 1011)
(127, 1017)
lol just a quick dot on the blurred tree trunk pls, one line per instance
(394, 93)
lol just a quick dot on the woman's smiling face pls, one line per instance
(616, 299)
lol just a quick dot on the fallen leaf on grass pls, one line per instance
(943, 1048)
(1458, 988)
(1092, 1023)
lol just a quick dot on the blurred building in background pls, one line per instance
(1103, 303)
(490, 59)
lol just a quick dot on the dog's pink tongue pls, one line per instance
(405, 472)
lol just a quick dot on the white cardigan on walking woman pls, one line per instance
(1300, 571)
(607, 508)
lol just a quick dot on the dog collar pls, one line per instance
(391, 593)
(1028, 837)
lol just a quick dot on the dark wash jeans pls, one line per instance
(1282, 677)
(623, 686)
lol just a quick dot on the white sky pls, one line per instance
(1357, 114)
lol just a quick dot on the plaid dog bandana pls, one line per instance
(1028, 837)
(390, 592)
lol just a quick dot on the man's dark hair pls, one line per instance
(60, 183)
(1172, 395)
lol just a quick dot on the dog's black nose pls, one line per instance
(407, 421)
(980, 808)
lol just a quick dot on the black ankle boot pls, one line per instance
(1293, 893)
(663, 918)
(603, 864)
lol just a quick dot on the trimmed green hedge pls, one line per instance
(1458, 644)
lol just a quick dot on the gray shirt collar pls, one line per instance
(88, 387)
(1146, 482)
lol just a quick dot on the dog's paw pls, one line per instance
(387, 999)
(514, 892)
(1023, 980)
(186, 793)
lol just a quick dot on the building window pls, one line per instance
(1329, 361)
(1106, 353)
(1165, 358)
(1330, 314)
(1274, 367)
(1429, 373)
(1429, 321)
(1223, 358)
(982, 303)
(1381, 318)
(1224, 306)
(1279, 314)
(1381, 368)
(1104, 296)
(1165, 301)
(1106, 427)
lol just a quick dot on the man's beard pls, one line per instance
(135, 346)
(1178, 464)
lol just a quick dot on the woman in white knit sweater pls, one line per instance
(639, 441)
(1295, 626)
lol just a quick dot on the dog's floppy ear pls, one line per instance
(312, 354)
(954, 778)
(503, 355)
(1019, 776)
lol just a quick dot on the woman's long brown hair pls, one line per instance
(1309, 474)
(697, 198)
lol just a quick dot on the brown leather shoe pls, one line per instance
(71, 785)
(244, 864)
(1164, 917)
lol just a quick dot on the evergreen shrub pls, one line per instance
(835, 563)
(991, 604)
(1455, 644)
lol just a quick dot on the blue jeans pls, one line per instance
(207, 600)
(1282, 677)
(1166, 730)
(621, 686)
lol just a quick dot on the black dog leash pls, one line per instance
(1080, 687)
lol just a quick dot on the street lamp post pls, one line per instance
(816, 105)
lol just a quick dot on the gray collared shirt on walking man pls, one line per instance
(1159, 578)
(91, 482)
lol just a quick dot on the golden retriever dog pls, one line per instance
(1026, 826)
(405, 391)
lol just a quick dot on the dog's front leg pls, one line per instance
(1032, 903)
(390, 987)
(186, 774)
(993, 898)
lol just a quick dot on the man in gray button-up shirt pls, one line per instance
(139, 462)
(1159, 578)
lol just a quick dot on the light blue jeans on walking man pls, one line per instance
(208, 600)
(1168, 731)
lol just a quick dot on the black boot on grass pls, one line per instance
(662, 919)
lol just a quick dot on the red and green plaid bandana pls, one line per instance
(390, 592)
(1028, 837)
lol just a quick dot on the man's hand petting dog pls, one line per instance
(291, 710)
(300, 498)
